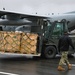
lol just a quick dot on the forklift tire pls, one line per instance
(50, 52)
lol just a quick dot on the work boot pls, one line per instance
(60, 68)
(69, 66)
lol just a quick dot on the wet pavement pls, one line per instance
(26, 65)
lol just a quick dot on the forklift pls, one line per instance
(49, 34)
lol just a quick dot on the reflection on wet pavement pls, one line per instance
(22, 65)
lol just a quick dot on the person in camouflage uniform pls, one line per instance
(63, 58)
(63, 46)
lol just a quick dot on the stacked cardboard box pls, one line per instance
(1, 41)
(29, 43)
(12, 41)
(18, 42)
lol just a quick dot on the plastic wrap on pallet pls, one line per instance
(1, 41)
(28, 43)
(11, 41)
(25, 43)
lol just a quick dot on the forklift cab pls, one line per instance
(55, 29)
(59, 29)
(51, 34)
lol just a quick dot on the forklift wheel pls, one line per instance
(50, 52)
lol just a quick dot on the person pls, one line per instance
(63, 46)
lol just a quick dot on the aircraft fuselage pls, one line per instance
(68, 17)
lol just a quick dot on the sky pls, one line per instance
(43, 7)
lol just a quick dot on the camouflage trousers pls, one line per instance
(64, 58)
